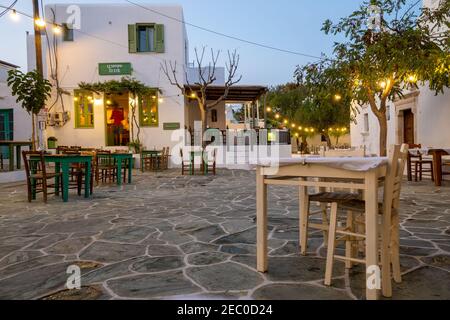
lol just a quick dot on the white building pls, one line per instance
(108, 42)
(101, 42)
(15, 122)
(420, 118)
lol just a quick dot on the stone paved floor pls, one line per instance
(172, 237)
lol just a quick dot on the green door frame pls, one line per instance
(8, 131)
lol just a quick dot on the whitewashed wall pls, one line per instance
(103, 38)
(22, 120)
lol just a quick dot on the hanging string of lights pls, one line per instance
(57, 30)
(300, 130)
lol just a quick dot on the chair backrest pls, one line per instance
(104, 158)
(345, 153)
(398, 156)
(34, 163)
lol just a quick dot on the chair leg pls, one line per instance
(395, 249)
(325, 222)
(349, 242)
(304, 217)
(30, 192)
(432, 172)
(331, 244)
(421, 171)
(44, 189)
(416, 171)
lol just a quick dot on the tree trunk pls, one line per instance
(33, 132)
(204, 124)
(328, 139)
(382, 120)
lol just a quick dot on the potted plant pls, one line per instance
(51, 142)
(135, 146)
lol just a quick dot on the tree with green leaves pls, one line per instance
(31, 91)
(391, 47)
(310, 103)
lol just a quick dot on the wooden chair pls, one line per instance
(165, 159)
(211, 163)
(416, 164)
(326, 197)
(37, 175)
(389, 225)
(105, 167)
(185, 164)
(1, 161)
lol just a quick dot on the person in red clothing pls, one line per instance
(117, 117)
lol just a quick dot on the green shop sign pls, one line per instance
(172, 126)
(114, 69)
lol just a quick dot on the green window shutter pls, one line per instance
(132, 38)
(159, 38)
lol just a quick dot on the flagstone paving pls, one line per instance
(173, 237)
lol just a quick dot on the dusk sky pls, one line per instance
(288, 24)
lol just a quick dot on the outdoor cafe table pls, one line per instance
(301, 172)
(119, 159)
(63, 162)
(437, 162)
(18, 145)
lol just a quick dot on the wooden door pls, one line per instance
(408, 127)
(6, 129)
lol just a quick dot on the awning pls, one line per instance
(235, 94)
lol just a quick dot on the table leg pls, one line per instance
(57, 181)
(372, 280)
(437, 164)
(261, 222)
(119, 172)
(87, 180)
(408, 167)
(303, 219)
(65, 177)
(11, 157)
(18, 157)
(130, 170)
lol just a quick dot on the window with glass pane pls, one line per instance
(149, 110)
(84, 109)
(146, 38)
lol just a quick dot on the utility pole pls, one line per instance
(37, 38)
(40, 70)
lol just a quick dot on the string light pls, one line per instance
(57, 29)
(193, 95)
(160, 100)
(40, 23)
(269, 109)
(277, 116)
(14, 16)
(412, 78)
(286, 121)
(293, 125)
(337, 97)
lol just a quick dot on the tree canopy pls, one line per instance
(390, 48)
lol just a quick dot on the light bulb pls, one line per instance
(40, 23)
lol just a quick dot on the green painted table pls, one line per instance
(63, 162)
(18, 145)
(119, 159)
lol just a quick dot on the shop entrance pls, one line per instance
(117, 120)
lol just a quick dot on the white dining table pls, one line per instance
(303, 173)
